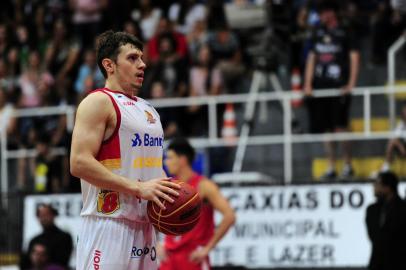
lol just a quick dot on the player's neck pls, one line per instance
(185, 174)
(114, 85)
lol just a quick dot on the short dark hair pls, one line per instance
(52, 209)
(182, 148)
(389, 179)
(109, 43)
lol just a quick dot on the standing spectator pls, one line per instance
(299, 33)
(186, 13)
(39, 258)
(398, 143)
(226, 51)
(148, 17)
(58, 242)
(204, 80)
(333, 62)
(386, 223)
(86, 18)
(386, 28)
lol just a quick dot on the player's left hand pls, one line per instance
(199, 254)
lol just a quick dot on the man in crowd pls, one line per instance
(386, 223)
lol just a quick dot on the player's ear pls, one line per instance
(108, 65)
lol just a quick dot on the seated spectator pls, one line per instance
(88, 68)
(186, 13)
(196, 38)
(398, 143)
(225, 49)
(58, 243)
(169, 69)
(48, 169)
(132, 28)
(61, 53)
(5, 44)
(9, 52)
(169, 115)
(24, 44)
(29, 80)
(7, 121)
(7, 82)
(39, 258)
(165, 28)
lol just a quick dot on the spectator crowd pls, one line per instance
(47, 58)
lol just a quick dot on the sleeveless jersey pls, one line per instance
(134, 151)
(201, 234)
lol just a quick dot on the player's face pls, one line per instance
(130, 67)
(172, 162)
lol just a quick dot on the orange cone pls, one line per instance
(296, 85)
(229, 129)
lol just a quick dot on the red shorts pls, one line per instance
(179, 260)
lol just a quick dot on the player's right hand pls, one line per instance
(156, 189)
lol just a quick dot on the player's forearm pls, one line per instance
(354, 68)
(222, 228)
(92, 171)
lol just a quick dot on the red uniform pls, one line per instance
(179, 248)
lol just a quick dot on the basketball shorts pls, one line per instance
(179, 260)
(115, 244)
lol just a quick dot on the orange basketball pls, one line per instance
(180, 216)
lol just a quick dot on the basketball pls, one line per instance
(180, 216)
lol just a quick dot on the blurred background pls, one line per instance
(228, 75)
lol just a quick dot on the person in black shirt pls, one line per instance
(386, 223)
(58, 243)
(333, 62)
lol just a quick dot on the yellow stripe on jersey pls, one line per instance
(147, 162)
(112, 164)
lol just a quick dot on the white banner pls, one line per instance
(277, 226)
(298, 226)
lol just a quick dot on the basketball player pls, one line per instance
(190, 251)
(117, 152)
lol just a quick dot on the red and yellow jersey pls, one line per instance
(201, 234)
(134, 151)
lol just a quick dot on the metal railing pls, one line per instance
(286, 138)
(393, 49)
(24, 153)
